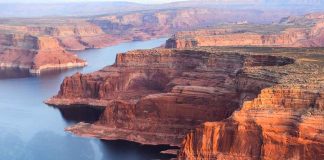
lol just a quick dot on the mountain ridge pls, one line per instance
(98, 8)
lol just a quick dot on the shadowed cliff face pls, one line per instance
(304, 31)
(157, 96)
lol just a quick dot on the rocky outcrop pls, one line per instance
(291, 32)
(157, 96)
(40, 44)
(36, 53)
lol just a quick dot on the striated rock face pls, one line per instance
(304, 31)
(157, 96)
(283, 122)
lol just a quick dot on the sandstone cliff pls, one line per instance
(157, 96)
(283, 122)
(39, 44)
(36, 53)
(304, 31)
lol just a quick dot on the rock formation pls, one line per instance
(307, 31)
(36, 53)
(75, 34)
(157, 96)
(160, 96)
(283, 122)
(45, 44)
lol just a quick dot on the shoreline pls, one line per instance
(69, 65)
(14, 65)
(37, 71)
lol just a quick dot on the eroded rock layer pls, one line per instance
(304, 31)
(284, 121)
(158, 96)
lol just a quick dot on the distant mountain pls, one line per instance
(291, 2)
(294, 2)
(66, 9)
(100, 8)
(254, 2)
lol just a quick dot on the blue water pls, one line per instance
(31, 130)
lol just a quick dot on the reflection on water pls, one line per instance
(30, 130)
(81, 114)
(7, 73)
(39, 146)
(125, 150)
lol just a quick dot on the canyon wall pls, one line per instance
(158, 96)
(213, 102)
(283, 122)
(307, 31)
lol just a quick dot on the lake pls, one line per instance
(32, 130)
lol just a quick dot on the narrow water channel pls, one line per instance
(31, 130)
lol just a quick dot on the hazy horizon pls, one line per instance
(39, 8)
(87, 1)
(163, 1)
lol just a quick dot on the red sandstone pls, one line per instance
(307, 31)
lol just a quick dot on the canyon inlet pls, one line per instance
(252, 102)
(186, 80)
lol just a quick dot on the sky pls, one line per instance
(60, 1)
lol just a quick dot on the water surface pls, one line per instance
(31, 130)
